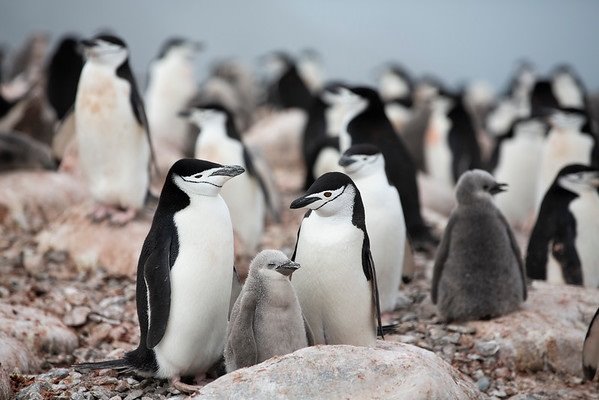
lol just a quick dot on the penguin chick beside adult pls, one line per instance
(184, 277)
(219, 141)
(567, 227)
(478, 271)
(336, 285)
(266, 320)
(385, 223)
(172, 84)
(112, 132)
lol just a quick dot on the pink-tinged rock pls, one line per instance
(92, 245)
(389, 371)
(547, 333)
(32, 198)
(26, 334)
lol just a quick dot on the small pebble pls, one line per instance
(468, 330)
(487, 349)
(483, 383)
(134, 394)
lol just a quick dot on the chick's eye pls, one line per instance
(271, 265)
(327, 194)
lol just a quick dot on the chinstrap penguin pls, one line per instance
(567, 228)
(478, 271)
(184, 277)
(266, 320)
(385, 223)
(336, 285)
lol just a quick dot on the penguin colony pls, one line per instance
(366, 151)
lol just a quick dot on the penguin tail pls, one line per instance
(119, 364)
(386, 329)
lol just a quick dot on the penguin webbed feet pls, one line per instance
(182, 385)
(115, 215)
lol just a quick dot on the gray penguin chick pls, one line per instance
(266, 320)
(478, 272)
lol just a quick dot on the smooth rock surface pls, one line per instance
(92, 245)
(32, 198)
(389, 371)
(547, 333)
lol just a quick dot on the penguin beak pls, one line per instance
(87, 43)
(288, 268)
(184, 114)
(345, 161)
(303, 201)
(229, 170)
(498, 188)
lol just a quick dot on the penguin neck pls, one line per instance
(214, 131)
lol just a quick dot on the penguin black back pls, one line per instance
(63, 73)
(462, 140)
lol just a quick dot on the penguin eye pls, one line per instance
(486, 187)
(327, 194)
(197, 175)
(271, 265)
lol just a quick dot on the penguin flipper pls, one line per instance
(157, 276)
(564, 251)
(516, 251)
(309, 334)
(268, 198)
(441, 257)
(370, 273)
(590, 349)
(236, 287)
(536, 252)
(241, 338)
(306, 215)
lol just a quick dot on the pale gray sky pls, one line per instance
(456, 40)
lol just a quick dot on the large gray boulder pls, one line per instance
(389, 371)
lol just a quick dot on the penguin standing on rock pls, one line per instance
(219, 141)
(112, 132)
(366, 123)
(184, 277)
(336, 285)
(478, 271)
(567, 227)
(266, 320)
(384, 218)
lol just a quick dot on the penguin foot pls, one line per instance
(122, 217)
(184, 387)
(100, 213)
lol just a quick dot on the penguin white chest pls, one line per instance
(437, 154)
(200, 289)
(114, 152)
(585, 209)
(331, 286)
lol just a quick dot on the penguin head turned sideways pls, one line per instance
(201, 178)
(105, 50)
(578, 178)
(205, 115)
(272, 264)
(362, 160)
(331, 194)
(180, 48)
(476, 185)
(353, 101)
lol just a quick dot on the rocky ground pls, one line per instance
(58, 307)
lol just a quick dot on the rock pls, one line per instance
(31, 199)
(487, 349)
(469, 330)
(391, 370)
(5, 388)
(134, 394)
(35, 391)
(548, 331)
(92, 245)
(27, 333)
(483, 383)
(77, 316)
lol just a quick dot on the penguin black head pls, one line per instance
(277, 63)
(330, 194)
(542, 97)
(273, 264)
(578, 178)
(567, 87)
(180, 47)
(362, 160)
(477, 185)
(395, 82)
(199, 177)
(106, 50)
(355, 100)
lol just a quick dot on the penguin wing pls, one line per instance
(249, 164)
(516, 251)
(157, 276)
(564, 251)
(441, 257)
(536, 253)
(309, 334)
(370, 273)
(236, 287)
(241, 338)
(306, 215)
(590, 349)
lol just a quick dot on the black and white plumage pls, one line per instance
(366, 123)
(184, 276)
(590, 349)
(478, 271)
(336, 285)
(219, 141)
(266, 320)
(113, 137)
(287, 89)
(567, 228)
